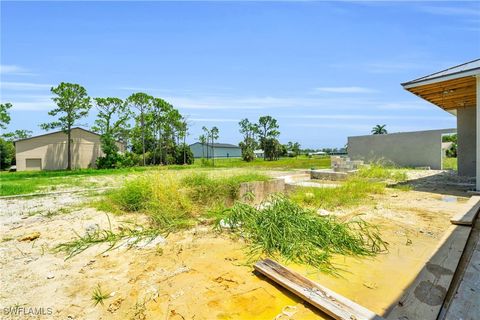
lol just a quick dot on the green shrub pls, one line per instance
(183, 153)
(130, 159)
(7, 154)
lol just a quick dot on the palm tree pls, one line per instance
(379, 129)
(203, 141)
(215, 136)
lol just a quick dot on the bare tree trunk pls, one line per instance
(213, 151)
(155, 147)
(69, 149)
(143, 136)
(184, 151)
(160, 144)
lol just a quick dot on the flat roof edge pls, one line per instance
(452, 76)
(446, 130)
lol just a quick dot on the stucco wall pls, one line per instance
(405, 149)
(466, 145)
(52, 150)
(219, 151)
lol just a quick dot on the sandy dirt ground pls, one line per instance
(200, 274)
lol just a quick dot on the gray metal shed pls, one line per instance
(216, 150)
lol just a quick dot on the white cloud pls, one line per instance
(345, 89)
(405, 106)
(25, 86)
(370, 117)
(13, 69)
(266, 102)
(213, 120)
(32, 103)
(358, 128)
(392, 67)
(449, 11)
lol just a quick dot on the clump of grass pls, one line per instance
(379, 172)
(82, 243)
(204, 188)
(350, 193)
(134, 194)
(98, 296)
(281, 228)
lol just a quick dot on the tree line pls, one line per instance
(156, 137)
(157, 134)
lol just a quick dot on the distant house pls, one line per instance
(317, 153)
(259, 153)
(217, 150)
(49, 151)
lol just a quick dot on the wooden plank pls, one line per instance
(331, 303)
(466, 300)
(467, 216)
(423, 299)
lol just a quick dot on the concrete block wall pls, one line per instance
(405, 149)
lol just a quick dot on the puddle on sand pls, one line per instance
(449, 199)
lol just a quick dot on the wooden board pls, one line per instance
(466, 300)
(467, 217)
(329, 302)
(424, 298)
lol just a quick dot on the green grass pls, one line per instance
(24, 182)
(450, 164)
(350, 193)
(13, 184)
(16, 183)
(301, 162)
(379, 172)
(98, 296)
(284, 229)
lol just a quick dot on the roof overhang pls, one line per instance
(449, 89)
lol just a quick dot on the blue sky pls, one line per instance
(325, 70)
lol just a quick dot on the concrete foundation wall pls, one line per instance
(466, 135)
(405, 149)
(257, 191)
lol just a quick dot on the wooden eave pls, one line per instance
(450, 94)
